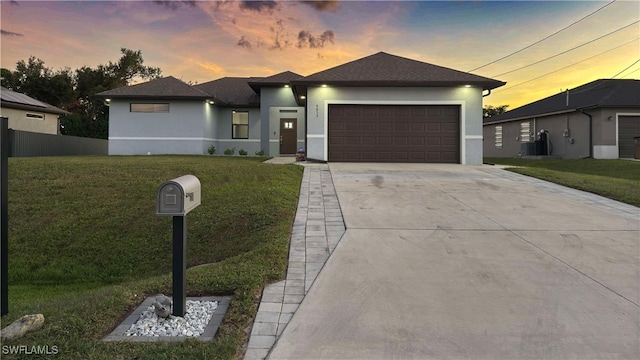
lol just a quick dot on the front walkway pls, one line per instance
(317, 229)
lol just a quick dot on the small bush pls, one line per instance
(242, 152)
(230, 151)
(260, 153)
(211, 150)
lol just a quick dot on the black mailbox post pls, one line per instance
(176, 198)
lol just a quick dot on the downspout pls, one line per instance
(590, 132)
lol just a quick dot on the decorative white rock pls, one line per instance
(192, 324)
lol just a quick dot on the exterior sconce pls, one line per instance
(610, 118)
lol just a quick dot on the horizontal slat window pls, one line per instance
(35, 116)
(149, 107)
(498, 136)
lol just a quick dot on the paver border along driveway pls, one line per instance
(459, 262)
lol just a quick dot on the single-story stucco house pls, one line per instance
(599, 119)
(28, 114)
(381, 108)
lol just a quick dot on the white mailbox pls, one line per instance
(179, 196)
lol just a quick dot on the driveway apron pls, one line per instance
(459, 262)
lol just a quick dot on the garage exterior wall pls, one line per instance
(469, 100)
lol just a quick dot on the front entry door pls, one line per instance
(288, 136)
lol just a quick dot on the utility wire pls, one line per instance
(566, 51)
(625, 69)
(539, 41)
(508, 87)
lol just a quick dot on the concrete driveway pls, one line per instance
(459, 262)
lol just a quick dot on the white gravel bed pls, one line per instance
(193, 324)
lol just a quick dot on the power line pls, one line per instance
(555, 71)
(625, 69)
(566, 51)
(539, 41)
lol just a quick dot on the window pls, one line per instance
(149, 107)
(498, 136)
(288, 124)
(240, 129)
(35, 116)
(525, 131)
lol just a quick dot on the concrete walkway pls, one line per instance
(317, 228)
(459, 262)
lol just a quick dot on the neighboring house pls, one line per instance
(28, 114)
(598, 119)
(381, 108)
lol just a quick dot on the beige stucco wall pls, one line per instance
(18, 120)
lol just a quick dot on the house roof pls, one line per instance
(162, 88)
(16, 100)
(598, 93)
(231, 91)
(281, 79)
(384, 69)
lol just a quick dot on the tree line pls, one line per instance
(73, 90)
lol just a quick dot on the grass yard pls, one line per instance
(86, 248)
(615, 179)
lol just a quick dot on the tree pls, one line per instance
(74, 90)
(489, 111)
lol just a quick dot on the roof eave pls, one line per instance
(153, 97)
(486, 85)
(523, 117)
(48, 110)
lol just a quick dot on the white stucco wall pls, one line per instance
(468, 98)
(18, 120)
(185, 129)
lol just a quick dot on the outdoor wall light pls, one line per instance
(323, 85)
(211, 102)
(302, 97)
(610, 118)
(467, 86)
(287, 85)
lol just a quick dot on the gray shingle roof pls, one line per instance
(280, 79)
(163, 88)
(16, 100)
(598, 93)
(232, 91)
(384, 69)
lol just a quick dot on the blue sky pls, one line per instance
(200, 41)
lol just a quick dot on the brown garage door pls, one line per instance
(394, 133)
(628, 128)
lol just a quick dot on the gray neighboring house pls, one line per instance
(599, 119)
(28, 114)
(381, 108)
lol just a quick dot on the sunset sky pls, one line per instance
(199, 41)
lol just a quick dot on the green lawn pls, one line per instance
(615, 179)
(85, 246)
